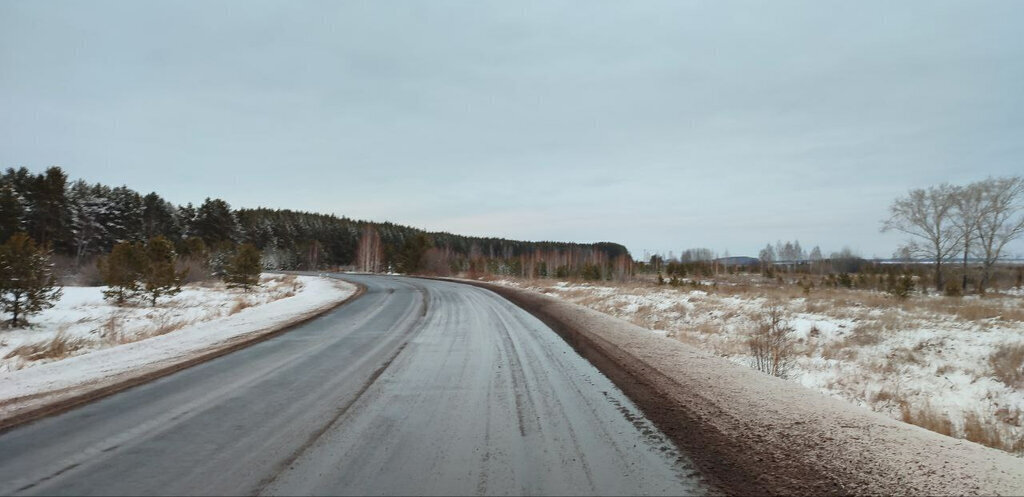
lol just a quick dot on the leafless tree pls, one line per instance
(815, 257)
(967, 215)
(370, 252)
(927, 216)
(767, 254)
(790, 253)
(1001, 220)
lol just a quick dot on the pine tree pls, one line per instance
(194, 248)
(27, 285)
(161, 278)
(11, 212)
(48, 218)
(159, 218)
(123, 271)
(185, 216)
(215, 222)
(126, 210)
(88, 208)
(243, 270)
(414, 249)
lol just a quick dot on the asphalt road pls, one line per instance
(417, 387)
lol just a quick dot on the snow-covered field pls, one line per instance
(950, 365)
(86, 340)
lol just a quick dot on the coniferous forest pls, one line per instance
(79, 221)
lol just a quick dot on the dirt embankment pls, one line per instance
(751, 433)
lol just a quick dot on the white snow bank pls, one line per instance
(221, 328)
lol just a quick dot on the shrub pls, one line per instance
(844, 280)
(123, 271)
(161, 277)
(927, 418)
(243, 269)
(771, 344)
(900, 287)
(27, 284)
(952, 288)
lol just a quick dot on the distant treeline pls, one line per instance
(79, 220)
(788, 262)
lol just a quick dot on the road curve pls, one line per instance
(417, 387)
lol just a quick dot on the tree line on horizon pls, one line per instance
(79, 222)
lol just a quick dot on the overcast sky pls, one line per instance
(658, 125)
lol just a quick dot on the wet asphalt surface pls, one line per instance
(417, 387)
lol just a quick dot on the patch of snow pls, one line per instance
(881, 355)
(211, 316)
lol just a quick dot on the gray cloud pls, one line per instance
(662, 125)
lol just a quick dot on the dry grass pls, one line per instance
(164, 325)
(240, 304)
(58, 347)
(928, 418)
(845, 349)
(976, 431)
(826, 299)
(284, 286)
(817, 306)
(969, 309)
(890, 351)
(1008, 365)
(988, 432)
(885, 397)
(111, 331)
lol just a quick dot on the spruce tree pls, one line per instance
(243, 269)
(123, 272)
(161, 278)
(27, 285)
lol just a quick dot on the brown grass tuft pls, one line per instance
(163, 326)
(983, 433)
(111, 331)
(240, 304)
(58, 347)
(1008, 365)
(928, 418)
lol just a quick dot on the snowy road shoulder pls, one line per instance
(751, 433)
(30, 388)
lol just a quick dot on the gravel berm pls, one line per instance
(753, 434)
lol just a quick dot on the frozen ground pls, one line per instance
(84, 340)
(928, 360)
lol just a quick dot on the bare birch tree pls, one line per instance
(816, 259)
(370, 252)
(928, 215)
(967, 216)
(1001, 220)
